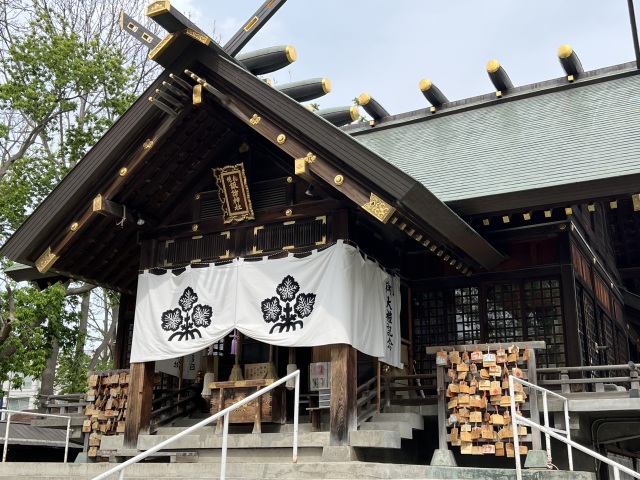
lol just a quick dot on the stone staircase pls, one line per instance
(274, 444)
(383, 441)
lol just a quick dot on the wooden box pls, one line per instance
(225, 394)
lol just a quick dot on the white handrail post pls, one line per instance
(66, 445)
(566, 422)
(514, 422)
(616, 473)
(121, 476)
(547, 438)
(296, 411)
(225, 433)
(6, 437)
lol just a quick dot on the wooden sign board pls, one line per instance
(233, 192)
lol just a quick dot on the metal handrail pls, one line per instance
(225, 429)
(34, 414)
(553, 432)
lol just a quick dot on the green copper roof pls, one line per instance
(536, 138)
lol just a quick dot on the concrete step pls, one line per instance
(284, 471)
(415, 420)
(375, 439)
(403, 428)
(250, 440)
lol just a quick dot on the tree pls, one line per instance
(66, 73)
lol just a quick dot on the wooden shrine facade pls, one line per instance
(530, 266)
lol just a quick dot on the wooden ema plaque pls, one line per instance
(268, 408)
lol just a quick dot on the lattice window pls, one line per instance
(623, 346)
(587, 329)
(607, 354)
(504, 313)
(197, 249)
(543, 307)
(429, 327)
(300, 233)
(465, 320)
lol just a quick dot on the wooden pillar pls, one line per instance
(139, 401)
(119, 357)
(343, 412)
(140, 398)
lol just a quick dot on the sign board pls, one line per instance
(319, 376)
(233, 192)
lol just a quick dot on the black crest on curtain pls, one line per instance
(278, 310)
(195, 317)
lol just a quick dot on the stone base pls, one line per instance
(536, 459)
(443, 458)
(339, 454)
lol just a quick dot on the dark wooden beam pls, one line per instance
(137, 31)
(344, 385)
(252, 26)
(593, 191)
(170, 18)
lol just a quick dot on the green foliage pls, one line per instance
(60, 90)
(40, 316)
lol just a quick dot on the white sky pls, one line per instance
(385, 48)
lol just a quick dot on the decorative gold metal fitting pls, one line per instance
(379, 208)
(194, 227)
(570, 78)
(568, 210)
(613, 204)
(547, 213)
(526, 215)
(123, 171)
(289, 179)
(46, 260)
(147, 144)
(281, 139)
(591, 207)
(563, 226)
(301, 163)
(288, 212)
(338, 180)
(433, 248)
(255, 120)
(97, 203)
(432, 109)
(506, 219)
(244, 147)
(499, 94)
(446, 258)
(636, 202)
(440, 252)
(201, 37)
(74, 226)
(485, 222)
(197, 196)
(160, 6)
(426, 243)
(197, 94)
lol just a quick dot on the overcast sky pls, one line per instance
(385, 48)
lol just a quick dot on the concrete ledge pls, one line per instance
(536, 459)
(339, 454)
(443, 458)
